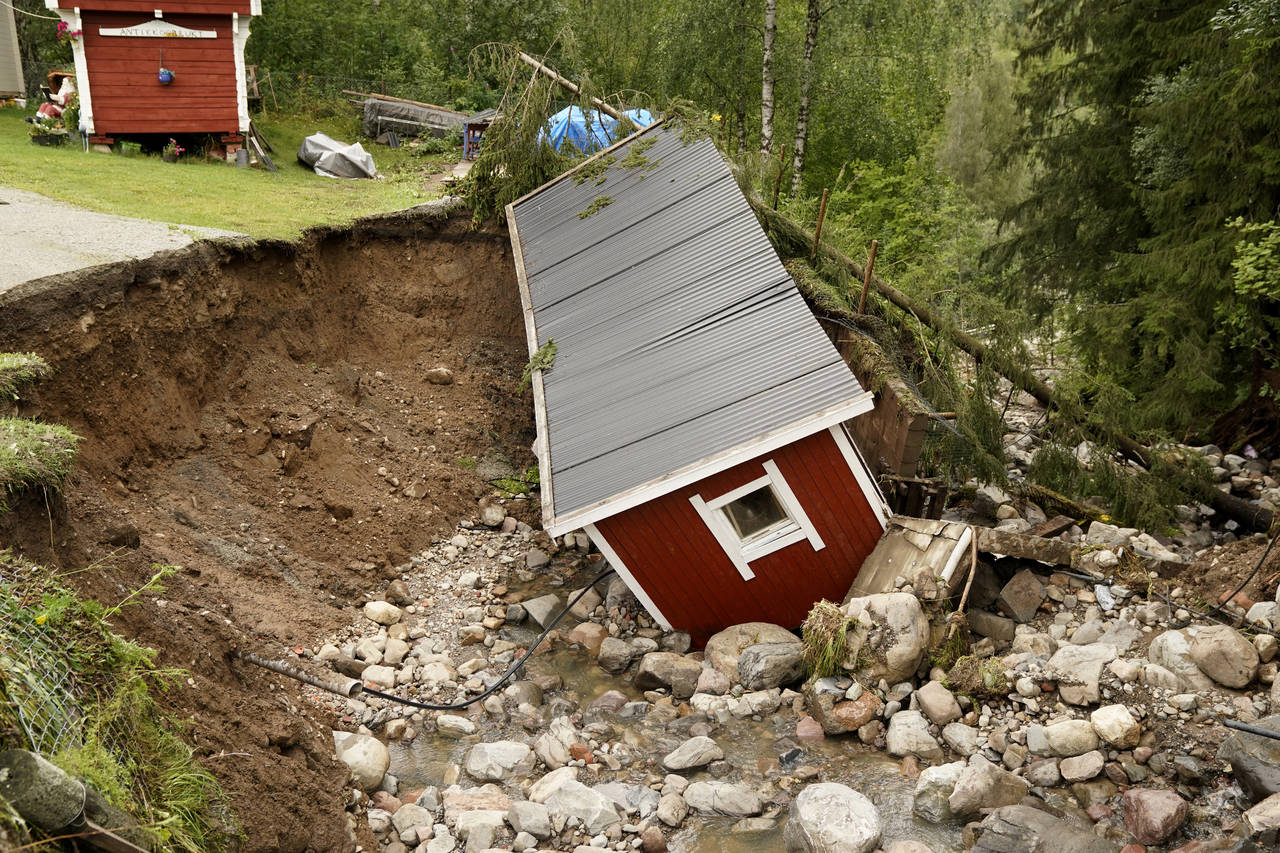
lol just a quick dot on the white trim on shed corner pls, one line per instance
(713, 516)
(623, 572)
(83, 96)
(704, 468)
(860, 473)
(240, 30)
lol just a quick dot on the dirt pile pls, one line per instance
(268, 417)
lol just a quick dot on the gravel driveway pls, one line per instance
(40, 237)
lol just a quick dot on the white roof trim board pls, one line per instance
(683, 346)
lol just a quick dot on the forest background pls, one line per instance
(1089, 187)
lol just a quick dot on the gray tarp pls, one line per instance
(407, 119)
(334, 159)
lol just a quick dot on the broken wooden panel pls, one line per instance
(919, 550)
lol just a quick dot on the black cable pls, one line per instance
(457, 706)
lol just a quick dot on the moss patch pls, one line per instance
(33, 454)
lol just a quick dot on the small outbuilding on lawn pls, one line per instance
(693, 420)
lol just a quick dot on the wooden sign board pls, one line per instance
(157, 29)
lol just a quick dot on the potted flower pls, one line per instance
(66, 34)
(165, 76)
(46, 131)
(172, 151)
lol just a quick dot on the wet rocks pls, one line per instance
(668, 670)
(888, 637)
(1224, 655)
(832, 818)
(983, 785)
(933, 790)
(366, 757)
(909, 735)
(767, 665)
(725, 648)
(543, 609)
(499, 760)
(615, 655)
(1151, 815)
(1020, 827)
(723, 798)
(694, 752)
(589, 635)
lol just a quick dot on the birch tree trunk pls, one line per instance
(766, 82)
(814, 17)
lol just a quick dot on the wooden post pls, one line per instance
(817, 232)
(866, 278)
(272, 85)
(777, 183)
(568, 84)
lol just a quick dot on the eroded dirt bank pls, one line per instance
(262, 416)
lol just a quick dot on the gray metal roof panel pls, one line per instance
(679, 333)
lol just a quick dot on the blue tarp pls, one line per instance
(590, 130)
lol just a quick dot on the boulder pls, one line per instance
(1078, 670)
(1255, 760)
(764, 666)
(837, 715)
(1021, 596)
(615, 655)
(366, 757)
(887, 639)
(724, 648)
(672, 809)
(498, 761)
(1222, 653)
(933, 790)
(635, 800)
(382, 612)
(541, 790)
(938, 703)
(723, 798)
(909, 735)
(1025, 828)
(410, 815)
(574, 799)
(1115, 725)
(668, 670)
(1172, 650)
(1152, 816)
(983, 785)
(694, 752)
(1264, 818)
(543, 609)
(832, 818)
(987, 624)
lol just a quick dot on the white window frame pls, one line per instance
(743, 552)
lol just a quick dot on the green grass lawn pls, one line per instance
(215, 194)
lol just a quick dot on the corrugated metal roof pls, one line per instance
(679, 334)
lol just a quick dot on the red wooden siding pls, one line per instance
(148, 7)
(127, 97)
(673, 555)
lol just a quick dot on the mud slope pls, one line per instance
(261, 416)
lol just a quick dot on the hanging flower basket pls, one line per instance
(165, 76)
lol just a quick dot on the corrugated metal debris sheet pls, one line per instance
(679, 334)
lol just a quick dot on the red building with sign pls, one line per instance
(148, 68)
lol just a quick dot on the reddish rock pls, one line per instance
(854, 715)
(1241, 600)
(1098, 811)
(581, 752)
(809, 729)
(386, 802)
(610, 700)
(589, 635)
(910, 768)
(1133, 848)
(651, 840)
(1152, 816)
(1142, 754)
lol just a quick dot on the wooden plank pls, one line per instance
(171, 9)
(1053, 526)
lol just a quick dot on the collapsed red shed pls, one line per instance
(160, 68)
(693, 422)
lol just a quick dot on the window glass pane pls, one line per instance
(754, 513)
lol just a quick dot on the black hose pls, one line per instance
(457, 706)
(1251, 729)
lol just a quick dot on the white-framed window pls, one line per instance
(756, 519)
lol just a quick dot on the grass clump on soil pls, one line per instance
(978, 678)
(20, 369)
(823, 640)
(99, 719)
(515, 486)
(33, 455)
(543, 359)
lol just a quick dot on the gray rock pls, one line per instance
(933, 789)
(1081, 768)
(543, 609)
(938, 703)
(1120, 635)
(1034, 643)
(479, 827)
(764, 666)
(410, 815)
(382, 612)
(894, 632)
(694, 752)
(724, 798)
(574, 799)
(832, 818)
(615, 655)
(669, 670)
(672, 809)
(909, 735)
(1222, 653)
(1044, 773)
(365, 756)
(1172, 650)
(962, 739)
(1019, 827)
(724, 648)
(1064, 739)
(500, 760)
(1116, 726)
(1078, 670)
(635, 800)
(1022, 596)
(552, 746)
(983, 785)
(1255, 760)
(987, 624)
(454, 726)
